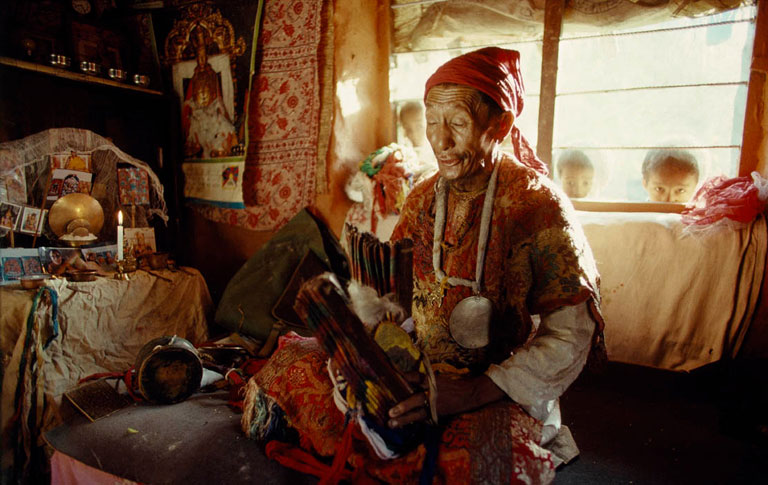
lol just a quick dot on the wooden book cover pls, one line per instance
(97, 399)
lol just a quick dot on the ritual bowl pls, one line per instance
(158, 260)
(90, 67)
(31, 282)
(117, 74)
(58, 60)
(81, 275)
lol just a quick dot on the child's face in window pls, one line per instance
(670, 184)
(577, 181)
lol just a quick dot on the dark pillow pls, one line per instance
(247, 303)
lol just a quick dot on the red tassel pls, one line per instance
(303, 461)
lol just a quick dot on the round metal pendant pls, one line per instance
(470, 322)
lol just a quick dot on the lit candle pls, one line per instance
(120, 235)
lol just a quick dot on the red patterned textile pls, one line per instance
(296, 378)
(284, 109)
(495, 72)
(537, 260)
(737, 199)
(496, 444)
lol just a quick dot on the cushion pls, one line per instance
(247, 303)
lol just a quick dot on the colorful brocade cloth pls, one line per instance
(537, 261)
(496, 444)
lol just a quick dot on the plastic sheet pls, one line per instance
(722, 201)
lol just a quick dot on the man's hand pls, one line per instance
(454, 396)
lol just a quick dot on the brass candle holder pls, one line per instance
(125, 266)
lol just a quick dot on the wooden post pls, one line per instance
(553, 21)
(42, 204)
(754, 120)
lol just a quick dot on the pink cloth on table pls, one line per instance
(65, 470)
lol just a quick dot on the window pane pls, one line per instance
(681, 84)
(702, 55)
(617, 172)
(695, 116)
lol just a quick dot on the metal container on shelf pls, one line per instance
(141, 80)
(58, 60)
(90, 68)
(117, 74)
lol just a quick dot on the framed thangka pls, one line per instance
(133, 186)
(207, 51)
(18, 262)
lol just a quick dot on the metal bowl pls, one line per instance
(90, 67)
(141, 80)
(58, 60)
(158, 260)
(30, 282)
(81, 275)
(117, 74)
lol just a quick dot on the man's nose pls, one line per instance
(441, 139)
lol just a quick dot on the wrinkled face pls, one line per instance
(458, 128)
(670, 184)
(577, 181)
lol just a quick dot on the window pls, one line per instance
(681, 84)
(677, 84)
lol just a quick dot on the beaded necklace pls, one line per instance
(470, 319)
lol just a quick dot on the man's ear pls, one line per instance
(503, 126)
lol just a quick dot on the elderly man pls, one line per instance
(495, 243)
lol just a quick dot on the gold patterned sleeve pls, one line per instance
(563, 269)
(408, 223)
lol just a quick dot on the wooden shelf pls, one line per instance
(75, 76)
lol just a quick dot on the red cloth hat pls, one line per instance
(495, 72)
(492, 70)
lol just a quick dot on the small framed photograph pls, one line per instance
(140, 241)
(9, 215)
(18, 262)
(11, 268)
(72, 160)
(65, 182)
(52, 259)
(32, 220)
(104, 256)
(31, 264)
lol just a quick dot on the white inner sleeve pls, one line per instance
(535, 376)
